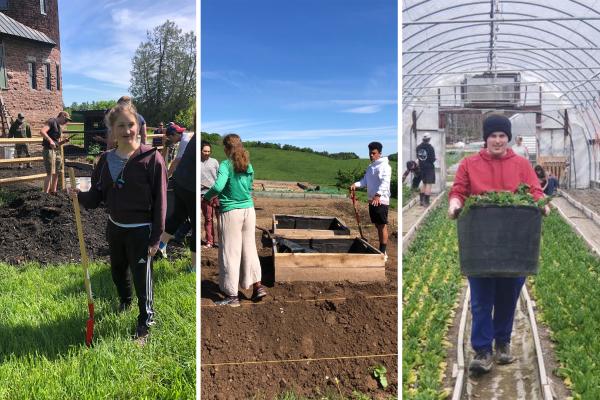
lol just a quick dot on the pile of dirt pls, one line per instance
(41, 228)
(320, 322)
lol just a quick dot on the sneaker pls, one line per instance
(231, 301)
(162, 250)
(503, 355)
(124, 306)
(258, 293)
(385, 257)
(141, 334)
(481, 363)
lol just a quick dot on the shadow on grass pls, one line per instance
(49, 339)
(103, 287)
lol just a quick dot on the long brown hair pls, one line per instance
(236, 152)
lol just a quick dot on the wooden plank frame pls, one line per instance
(308, 233)
(319, 267)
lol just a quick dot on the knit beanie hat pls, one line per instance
(496, 123)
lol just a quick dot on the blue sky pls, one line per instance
(311, 73)
(99, 37)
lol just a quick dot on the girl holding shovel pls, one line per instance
(131, 181)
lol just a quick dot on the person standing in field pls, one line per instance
(377, 179)
(493, 300)
(426, 157)
(52, 140)
(209, 169)
(238, 257)
(20, 129)
(131, 181)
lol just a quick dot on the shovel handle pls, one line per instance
(353, 196)
(82, 250)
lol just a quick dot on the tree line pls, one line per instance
(163, 79)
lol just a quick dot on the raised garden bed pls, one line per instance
(327, 259)
(303, 226)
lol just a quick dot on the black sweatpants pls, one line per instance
(129, 254)
(184, 208)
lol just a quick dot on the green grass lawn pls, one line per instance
(296, 166)
(43, 312)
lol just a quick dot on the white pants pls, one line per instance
(238, 257)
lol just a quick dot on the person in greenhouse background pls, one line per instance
(493, 300)
(426, 157)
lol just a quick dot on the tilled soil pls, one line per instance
(37, 227)
(587, 197)
(273, 345)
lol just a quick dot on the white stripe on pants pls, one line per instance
(238, 257)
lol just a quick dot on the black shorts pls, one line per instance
(428, 175)
(379, 214)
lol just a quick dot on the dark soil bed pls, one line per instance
(36, 227)
(41, 228)
(301, 321)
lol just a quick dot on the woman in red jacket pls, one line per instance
(493, 300)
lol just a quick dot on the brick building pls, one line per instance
(30, 68)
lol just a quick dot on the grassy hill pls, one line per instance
(296, 166)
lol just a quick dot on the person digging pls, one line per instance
(52, 136)
(377, 179)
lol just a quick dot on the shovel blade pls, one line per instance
(89, 328)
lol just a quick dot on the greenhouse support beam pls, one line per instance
(522, 83)
(481, 21)
(498, 91)
(487, 49)
(501, 71)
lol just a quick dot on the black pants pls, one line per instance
(184, 208)
(129, 254)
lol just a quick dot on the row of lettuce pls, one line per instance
(567, 292)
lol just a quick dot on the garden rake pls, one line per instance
(89, 332)
(353, 195)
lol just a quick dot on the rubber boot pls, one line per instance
(422, 199)
(426, 200)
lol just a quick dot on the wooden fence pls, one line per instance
(37, 140)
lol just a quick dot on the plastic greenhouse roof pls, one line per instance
(555, 44)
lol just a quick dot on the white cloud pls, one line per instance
(310, 134)
(364, 110)
(101, 42)
(225, 126)
(336, 103)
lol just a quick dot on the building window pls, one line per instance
(43, 6)
(31, 75)
(3, 78)
(3, 4)
(48, 76)
(57, 77)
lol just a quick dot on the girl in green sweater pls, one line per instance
(238, 257)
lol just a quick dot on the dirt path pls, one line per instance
(516, 381)
(303, 336)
